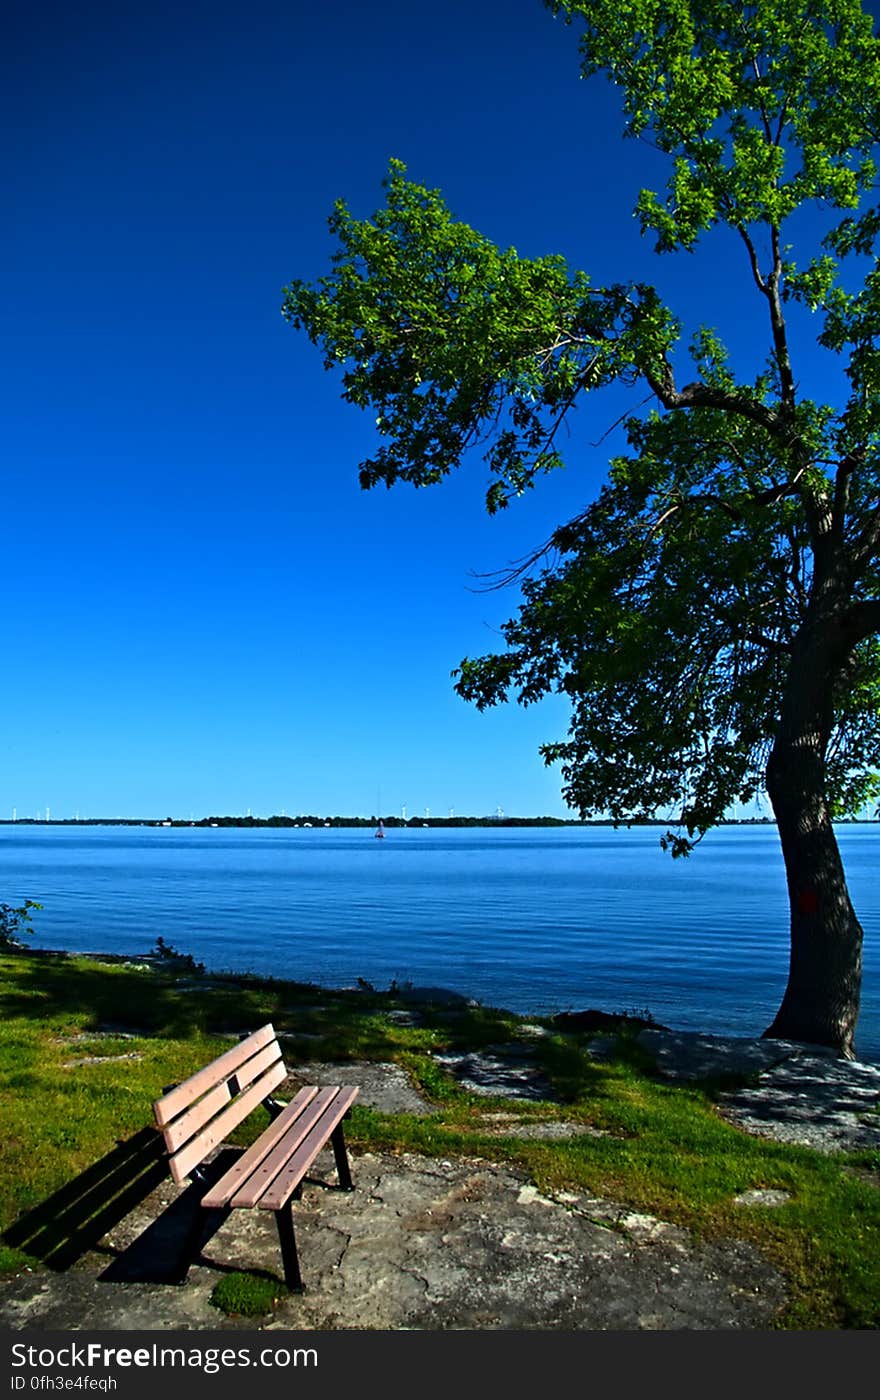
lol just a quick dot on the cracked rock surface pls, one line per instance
(424, 1244)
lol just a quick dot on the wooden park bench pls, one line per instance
(196, 1116)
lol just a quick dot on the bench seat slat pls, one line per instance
(197, 1148)
(201, 1112)
(182, 1095)
(251, 1189)
(222, 1191)
(289, 1178)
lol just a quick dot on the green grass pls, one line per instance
(246, 1294)
(664, 1149)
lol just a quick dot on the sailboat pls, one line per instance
(380, 830)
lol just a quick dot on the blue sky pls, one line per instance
(204, 613)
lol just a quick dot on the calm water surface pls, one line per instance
(537, 920)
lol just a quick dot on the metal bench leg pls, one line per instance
(289, 1256)
(337, 1137)
(190, 1248)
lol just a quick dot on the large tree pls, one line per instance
(713, 614)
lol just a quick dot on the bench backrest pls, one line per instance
(197, 1115)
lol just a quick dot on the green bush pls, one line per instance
(14, 921)
(177, 962)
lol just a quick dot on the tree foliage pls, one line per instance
(744, 516)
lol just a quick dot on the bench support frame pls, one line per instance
(343, 1171)
(287, 1241)
(190, 1250)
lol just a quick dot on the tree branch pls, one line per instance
(769, 643)
(773, 494)
(861, 621)
(753, 259)
(868, 543)
(777, 323)
(697, 499)
(699, 395)
(841, 495)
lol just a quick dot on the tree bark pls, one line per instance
(821, 1001)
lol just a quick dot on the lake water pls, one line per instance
(533, 919)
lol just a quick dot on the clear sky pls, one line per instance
(204, 614)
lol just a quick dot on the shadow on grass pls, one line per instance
(40, 986)
(70, 1222)
(74, 1220)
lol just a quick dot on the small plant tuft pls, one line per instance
(15, 1261)
(247, 1295)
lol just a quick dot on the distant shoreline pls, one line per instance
(391, 823)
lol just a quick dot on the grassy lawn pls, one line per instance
(664, 1149)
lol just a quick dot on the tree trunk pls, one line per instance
(821, 1002)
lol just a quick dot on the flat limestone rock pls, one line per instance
(803, 1094)
(691, 1055)
(425, 1244)
(506, 1071)
(831, 1105)
(541, 1129)
(762, 1196)
(101, 1059)
(385, 1087)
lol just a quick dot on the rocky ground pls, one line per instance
(466, 1244)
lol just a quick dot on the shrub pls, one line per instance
(14, 921)
(181, 962)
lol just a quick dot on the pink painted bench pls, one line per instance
(196, 1116)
